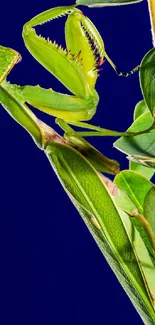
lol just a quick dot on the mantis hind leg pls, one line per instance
(97, 131)
(123, 74)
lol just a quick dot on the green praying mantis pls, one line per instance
(77, 67)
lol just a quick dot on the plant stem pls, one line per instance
(151, 4)
(146, 226)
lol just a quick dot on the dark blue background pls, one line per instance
(51, 270)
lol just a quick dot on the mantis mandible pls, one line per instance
(77, 67)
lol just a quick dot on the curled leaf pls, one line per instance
(147, 79)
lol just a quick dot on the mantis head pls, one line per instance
(77, 65)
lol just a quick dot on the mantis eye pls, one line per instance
(69, 12)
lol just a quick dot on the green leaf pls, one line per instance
(102, 3)
(126, 199)
(144, 171)
(140, 108)
(140, 148)
(147, 79)
(149, 208)
(135, 185)
(112, 229)
(123, 202)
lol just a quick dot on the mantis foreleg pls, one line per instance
(76, 67)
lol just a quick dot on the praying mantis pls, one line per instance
(76, 67)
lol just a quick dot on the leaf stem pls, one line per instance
(146, 226)
(151, 5)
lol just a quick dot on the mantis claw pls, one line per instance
(83, 45)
